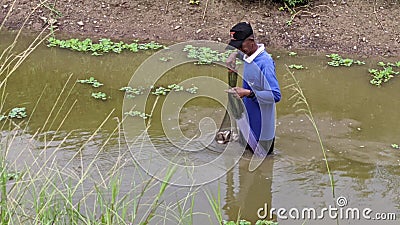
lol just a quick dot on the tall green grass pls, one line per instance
(303, 106)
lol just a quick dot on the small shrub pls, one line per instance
(175, 87)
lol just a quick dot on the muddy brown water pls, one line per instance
(358, 123)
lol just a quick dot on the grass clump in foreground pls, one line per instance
(47, 189)
(43, 183)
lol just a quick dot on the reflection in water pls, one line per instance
(250, 191)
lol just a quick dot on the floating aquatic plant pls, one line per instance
(206, 55)
(161, 91)
(337, 60)
(175, 87)
(18, 113)
(395, 146)
(297, 67)
(132, 92)
(192, 90)
(358, 62)
(387, 72)
(104, 46)
(396, 64)
(138, 114)
(292, 53)
(99, 95)
(95, 83)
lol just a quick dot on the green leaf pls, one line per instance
(381, 64)
(137, 114)
(99, 95)
(3, 117)
(297, 67)
(346, 62)
(358, 62)
(18, 113)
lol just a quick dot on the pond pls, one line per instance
(69, 129)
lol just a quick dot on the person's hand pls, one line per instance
(239, 92)
(231, 61)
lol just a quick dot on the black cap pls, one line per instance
(239, 33)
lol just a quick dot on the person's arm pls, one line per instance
(264, 96)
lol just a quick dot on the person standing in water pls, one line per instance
(260, 90)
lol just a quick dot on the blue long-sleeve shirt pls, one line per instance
(260, 77)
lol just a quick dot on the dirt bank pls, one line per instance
(363, 27)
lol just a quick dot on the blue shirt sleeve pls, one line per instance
(270, 91)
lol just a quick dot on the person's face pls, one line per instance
(247, 46)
